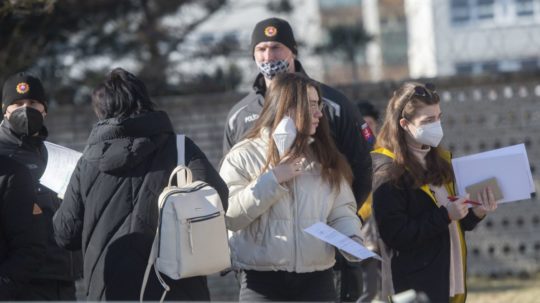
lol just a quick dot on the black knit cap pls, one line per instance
(273, 29)
(22, 86)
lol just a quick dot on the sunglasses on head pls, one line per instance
(425, 91)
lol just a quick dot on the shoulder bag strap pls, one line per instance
(181, 149)
(180, 161)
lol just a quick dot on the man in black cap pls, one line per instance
(275, 51)
(22, 133)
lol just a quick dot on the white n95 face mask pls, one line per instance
(430, 134)
(284, 135)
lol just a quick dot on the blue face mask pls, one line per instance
(273, 68)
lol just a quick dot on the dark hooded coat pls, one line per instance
(110, 208)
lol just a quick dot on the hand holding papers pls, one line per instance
(339, 240)
(509, 166)
(60, 165)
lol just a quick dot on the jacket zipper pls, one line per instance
(295, 224)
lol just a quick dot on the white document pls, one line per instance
(61, 163)
(509, 165)
(509, 150)
(339, 240)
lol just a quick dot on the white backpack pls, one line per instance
(191, 237)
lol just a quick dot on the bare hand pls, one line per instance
(288, 169)
(488, 203)
(457, 209)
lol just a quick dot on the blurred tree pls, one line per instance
(223, 79)
(53, 36)
(280, 6)
(348, 41)
(224, 46)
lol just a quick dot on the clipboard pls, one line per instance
(474, 189)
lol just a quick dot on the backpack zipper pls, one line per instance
(160, 220)
(199, 219)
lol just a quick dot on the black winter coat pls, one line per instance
(345, 126)
(110, 207)
(416, 230)
(58, 263)
(21, 243)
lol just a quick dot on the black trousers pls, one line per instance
(371, 278)
(350, 278)
(48, 290)
(266, 286)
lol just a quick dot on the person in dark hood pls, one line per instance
(275, 51)
(21, 242)
(110, 209)
(22, 136)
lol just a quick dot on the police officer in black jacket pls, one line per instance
(274, 50)
(21, 243)
(22, 133)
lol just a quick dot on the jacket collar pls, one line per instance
(425, 188)
(9, 137)
(28, 150)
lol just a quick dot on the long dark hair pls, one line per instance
(121, 95)
(289, 91)
(404, 104)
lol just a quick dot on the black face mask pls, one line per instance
(26, 121)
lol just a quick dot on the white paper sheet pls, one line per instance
(509, 165)
(339, 240)
(60, 165)
(509, 150)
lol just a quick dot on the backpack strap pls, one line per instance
(180, 161)
(181, 150)
(151, 261)
(183, 176)
(182, 173)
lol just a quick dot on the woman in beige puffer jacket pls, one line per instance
(274, 196)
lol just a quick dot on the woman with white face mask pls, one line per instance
(286, 176)
(421, 228)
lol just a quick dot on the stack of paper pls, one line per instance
(509, 165)
(61, 163)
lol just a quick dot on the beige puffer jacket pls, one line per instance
(266, 219)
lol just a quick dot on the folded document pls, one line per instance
(339, 240)
(509, 166)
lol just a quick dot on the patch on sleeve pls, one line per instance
(368, 133)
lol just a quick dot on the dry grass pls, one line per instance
(507, 290)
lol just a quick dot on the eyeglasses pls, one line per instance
(428, 90)
(317, 106)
